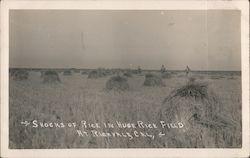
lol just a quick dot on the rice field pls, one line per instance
(78, 98)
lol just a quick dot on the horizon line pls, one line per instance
(118, 68)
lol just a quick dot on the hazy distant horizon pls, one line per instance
(194, 70)
(89, 39)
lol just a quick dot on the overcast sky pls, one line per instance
(204, 40)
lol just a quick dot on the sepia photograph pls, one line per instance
(125, 79)
(176, 71)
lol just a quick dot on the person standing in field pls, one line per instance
(187, 70)
(163, 69)
(139, 70)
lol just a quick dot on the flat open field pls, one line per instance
(78, 98)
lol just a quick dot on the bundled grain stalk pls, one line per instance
(108, 73)
(84, 72)
(75, 70)
(67, 73)
(51, 77)
(198, 108)
(127, 74)
(12, 71)
(153, 80)
(96, 74)
(117, 83)
(20, 75)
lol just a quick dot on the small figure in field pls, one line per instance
(187, 70)
(139, 70)
(163, 69)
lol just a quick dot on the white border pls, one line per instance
(125, 5)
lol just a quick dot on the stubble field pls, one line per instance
(78, 98)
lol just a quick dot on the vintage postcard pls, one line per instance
(125, 79)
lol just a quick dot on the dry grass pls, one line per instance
(166, 75)
(79, 98)
(153, 80)
(215, 77)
